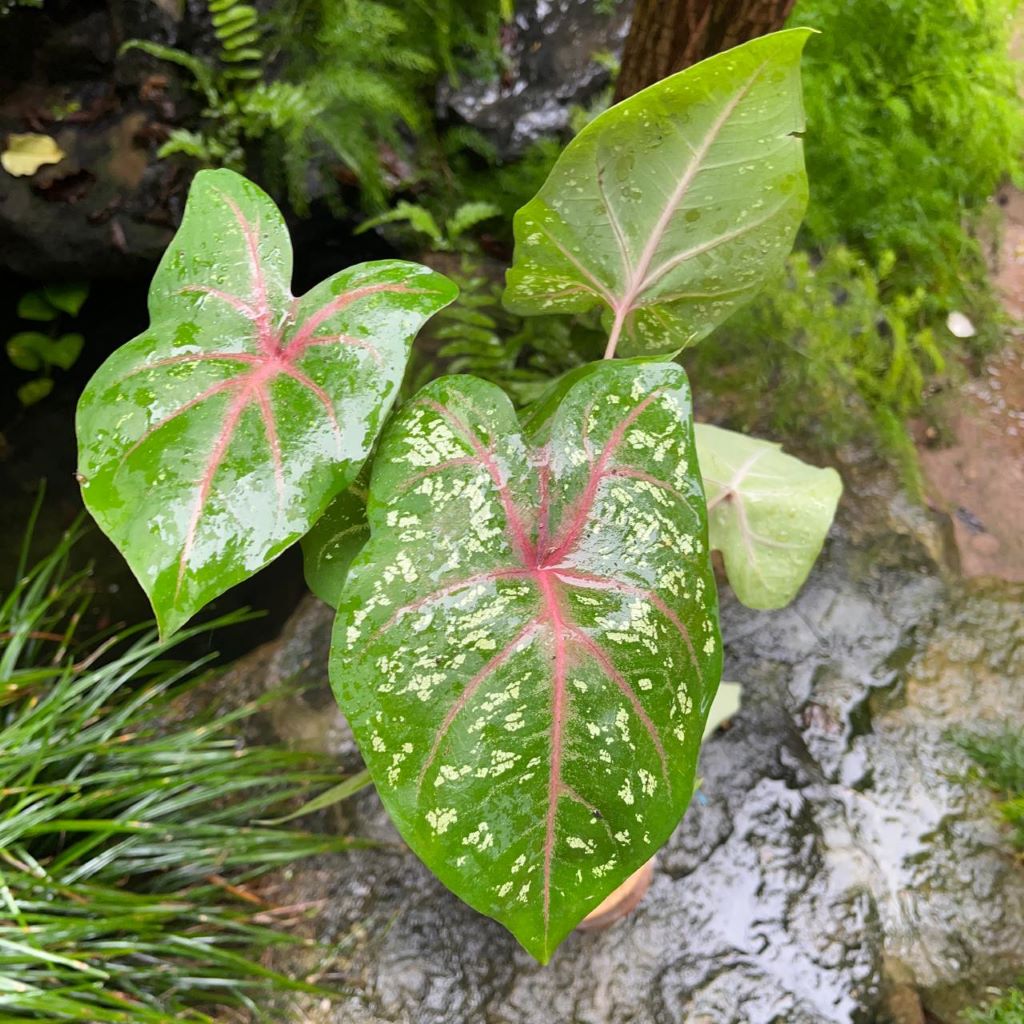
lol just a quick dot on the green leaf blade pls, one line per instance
(68, 298)
(330, 547)
(527, 647)
(215, 439)
(36, 306)
(27, 350)
(672, 209)
(768, 513)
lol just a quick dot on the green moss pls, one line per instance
(1000, 758)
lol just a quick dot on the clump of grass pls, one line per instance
(1007, 1009)
(128, 838)
(1001, 760)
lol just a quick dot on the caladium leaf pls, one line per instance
(726, 703)
(527, 647)
(768, 513)
(217, 437)
(337, 537)
(674, 207)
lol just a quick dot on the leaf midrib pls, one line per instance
(638, 278)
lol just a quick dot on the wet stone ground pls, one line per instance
(837, 865)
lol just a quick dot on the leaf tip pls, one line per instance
(169, 619)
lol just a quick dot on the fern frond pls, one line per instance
(468, 215)
(204, 75)
(355, 76)
(419, 218)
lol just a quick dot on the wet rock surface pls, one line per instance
(103, 212)
(839, 863)
(550, 51)
(109, 208)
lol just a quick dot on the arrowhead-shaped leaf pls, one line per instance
(527, 647)
(215, 439)
(768, 513)
(674, 207)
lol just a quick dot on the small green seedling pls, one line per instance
(40, 351)
(527, 643)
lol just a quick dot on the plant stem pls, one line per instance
(613, 337)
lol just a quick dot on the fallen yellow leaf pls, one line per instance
(25, 154)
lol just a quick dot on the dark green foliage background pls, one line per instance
(913, 121)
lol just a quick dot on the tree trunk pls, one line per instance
(669, 35)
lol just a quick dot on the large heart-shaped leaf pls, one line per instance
(768, 513)
(215, 439)
(674, 207)
(527, 647)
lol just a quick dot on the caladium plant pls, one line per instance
(527, 641)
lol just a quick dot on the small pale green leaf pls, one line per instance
(36, 306)
(527, 647)
(336, 538)
(35, 391)
(768, 513)
(724, 706)
(68, 298)
(33, 350)
(673, 208)
(215, 439)
(25, 350)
